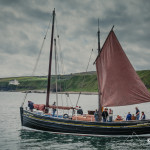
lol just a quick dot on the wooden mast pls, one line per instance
(50, 63)
(56, 74)
(99, 92)
(98, 33)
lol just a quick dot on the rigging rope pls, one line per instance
(84, 77)
(37, 60)
(62, 64)
(89, 60)
(41, 49)
(62, 71)
(61, 57)
(86, 68)
(62, 67)
(78, 99)
(70, 99)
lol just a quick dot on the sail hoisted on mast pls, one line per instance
(118, 82)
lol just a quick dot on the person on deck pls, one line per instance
(96, 116)
(133, 117)
(105, 115)
(110, 118)
(80, 111)
(30, 105)
(137, 113)
(54, 109)
(119, 118)
(128, 116)
(143, 116)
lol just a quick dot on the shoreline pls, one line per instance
(66, 92)
(84, 93)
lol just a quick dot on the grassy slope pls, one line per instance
(145, 77)
(82, 83)
(25, 83)
(74, 82)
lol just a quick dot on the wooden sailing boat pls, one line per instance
(119, 85)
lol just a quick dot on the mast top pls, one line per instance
(54, 11)
(112, 28)
(98, 25)
(98, 38)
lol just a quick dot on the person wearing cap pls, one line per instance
(80, 111)
(30, 105)
(105, 115)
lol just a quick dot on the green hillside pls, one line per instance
(85, 82)
(82, 83)
(145, 77)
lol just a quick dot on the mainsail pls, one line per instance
(118, 82)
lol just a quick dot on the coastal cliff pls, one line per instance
(84, 82)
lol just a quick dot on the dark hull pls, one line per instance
(34, 121)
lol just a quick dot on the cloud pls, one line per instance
(24, 24)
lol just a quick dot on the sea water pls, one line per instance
(15, 137)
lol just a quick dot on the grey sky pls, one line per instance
(23, 24)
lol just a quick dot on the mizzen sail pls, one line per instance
(118, 82)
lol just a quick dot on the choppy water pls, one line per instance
(15, 137)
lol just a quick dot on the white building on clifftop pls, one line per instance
(14, 82)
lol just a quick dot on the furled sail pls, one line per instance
(118, 82)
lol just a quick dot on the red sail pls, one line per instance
(118, 82)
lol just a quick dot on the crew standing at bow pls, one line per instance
(30, 105)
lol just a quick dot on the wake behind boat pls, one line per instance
(119, 85)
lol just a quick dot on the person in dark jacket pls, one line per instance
(30, 105)
(80, 111)
(143, 116)
(128, 116)
(105, 115)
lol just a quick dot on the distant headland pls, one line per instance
(85, 82)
